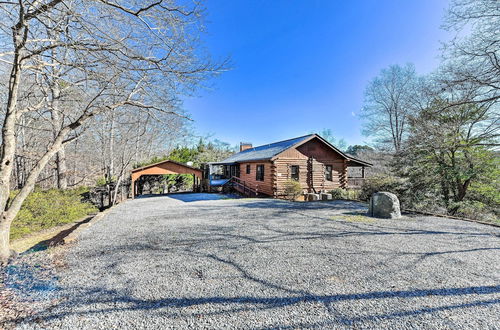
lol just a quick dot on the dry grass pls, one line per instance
(354, 218)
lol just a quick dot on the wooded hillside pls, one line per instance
(440, 133)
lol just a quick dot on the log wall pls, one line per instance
(266, 186)
(312, 158)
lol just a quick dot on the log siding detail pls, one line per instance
(312, 158)
(265, 186)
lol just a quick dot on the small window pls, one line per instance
(237, 170)
(328, 172)
(294, 172)
(248, 169)
(259, 173)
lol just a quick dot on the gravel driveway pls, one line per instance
(200, 261)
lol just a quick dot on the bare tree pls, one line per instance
(472, 58)
(98, 56)
(389, 99)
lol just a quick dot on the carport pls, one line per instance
(165, 167)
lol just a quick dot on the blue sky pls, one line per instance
(302, 65)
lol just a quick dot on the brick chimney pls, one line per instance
(245, 146)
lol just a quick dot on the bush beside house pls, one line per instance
(292, 190)
(339, 193)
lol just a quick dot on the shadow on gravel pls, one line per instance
(188, 197)
(231, 239)
(58, 238)
(97, 300)
(269, 203)
(96, 296)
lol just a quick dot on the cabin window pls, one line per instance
(294, 172)
(237, 170)
(328, 172)
(259, 173)
(248, 169)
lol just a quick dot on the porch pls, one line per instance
(356, 174)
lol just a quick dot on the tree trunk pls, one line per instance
(62, 180)
(5, 251)
(115, 191)
(61, 168)
(20, 158)
(8, 150)
(111, 148)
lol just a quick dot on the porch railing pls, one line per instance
(242, 187)
(355, 182)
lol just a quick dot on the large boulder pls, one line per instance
(384, 205)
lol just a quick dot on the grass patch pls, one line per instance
(44, 209)
(354, 218)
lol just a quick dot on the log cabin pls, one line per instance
(311, 160)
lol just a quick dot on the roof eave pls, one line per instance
(362, 163)
(164, 161)
(293, 146)
(343, 154)
(221, 163)
(242, 161)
